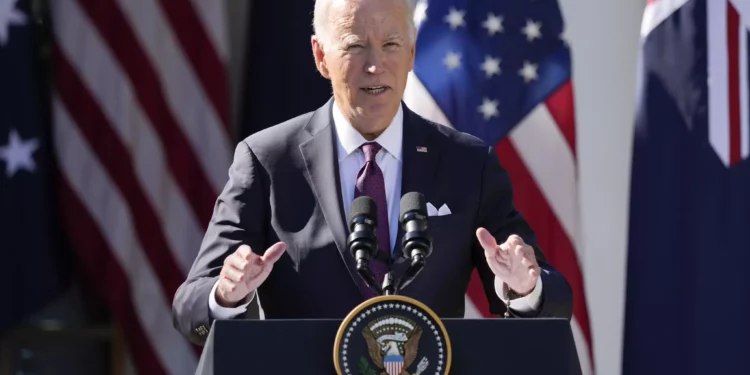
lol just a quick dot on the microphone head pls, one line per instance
(412, 202)
(364, 206)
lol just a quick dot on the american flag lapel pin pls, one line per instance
(421, 149)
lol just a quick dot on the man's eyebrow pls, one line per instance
(351, 38)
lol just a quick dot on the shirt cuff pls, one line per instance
(527, 303)
(219, 312)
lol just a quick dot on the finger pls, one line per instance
(233, 274)
(528, 263)
(486, 240)
(245, 252)
(515, 240)
(533, 272)
(274, 253)
(237, 261)
(518, 251)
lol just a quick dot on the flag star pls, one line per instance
(9, 15)
(532, 30)
(491, 66)
(17, 154)
(455, 18)
(564, 37)
(452, 60)
(488, 108)
(420, 13)
(493, 24)
(529, 71)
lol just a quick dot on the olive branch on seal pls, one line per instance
(364, 367)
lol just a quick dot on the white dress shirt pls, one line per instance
(351, 159)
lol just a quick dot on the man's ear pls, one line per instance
(319, 55)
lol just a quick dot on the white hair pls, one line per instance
(321, 21)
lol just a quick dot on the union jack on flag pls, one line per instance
(501, 70)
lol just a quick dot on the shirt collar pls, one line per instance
(350, 139)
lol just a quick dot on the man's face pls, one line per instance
(367, 55)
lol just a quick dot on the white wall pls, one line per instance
(604, 38)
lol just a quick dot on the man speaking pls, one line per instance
(279, 228)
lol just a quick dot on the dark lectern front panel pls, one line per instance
(479, 346)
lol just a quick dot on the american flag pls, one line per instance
(141, 134)
(501, 70)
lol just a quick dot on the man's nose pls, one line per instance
(374, 64)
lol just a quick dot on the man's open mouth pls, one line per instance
(375, 90)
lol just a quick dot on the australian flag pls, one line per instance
(30, 274)
(688, 284)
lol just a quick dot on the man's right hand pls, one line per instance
(244, 271)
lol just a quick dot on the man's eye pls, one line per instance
(354, 47)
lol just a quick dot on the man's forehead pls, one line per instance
(358, 11)
(387, 25)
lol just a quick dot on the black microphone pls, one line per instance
(416, 243)
(362, 242)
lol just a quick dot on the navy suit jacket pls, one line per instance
(284, 186)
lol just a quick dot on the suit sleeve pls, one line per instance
(499, 216)
(238, 218)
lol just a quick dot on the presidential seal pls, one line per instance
(392, 335)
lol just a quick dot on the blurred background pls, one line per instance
(118, 119)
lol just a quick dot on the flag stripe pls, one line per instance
(201, 53)
(182, 90)
(91, 60)
(554, 170)
(106, 275)
(116, 159)
(214, 19)
(718, 65)
(561, 108)
(114, 29)
(733, 71)
(555, 242)
(115, 219)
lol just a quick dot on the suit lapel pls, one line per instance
(420, 165)
(319, 154)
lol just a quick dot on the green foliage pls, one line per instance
(364, 367)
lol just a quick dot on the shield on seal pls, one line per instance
(393, 364)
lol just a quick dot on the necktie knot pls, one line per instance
(370, 149)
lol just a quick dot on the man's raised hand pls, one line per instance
(244, 271)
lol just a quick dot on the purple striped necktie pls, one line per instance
(370, 182)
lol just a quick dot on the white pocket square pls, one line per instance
(444, 210)
(432, 211)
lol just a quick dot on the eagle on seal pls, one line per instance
(388, 357)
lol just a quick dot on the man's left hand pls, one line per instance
(513, 262)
